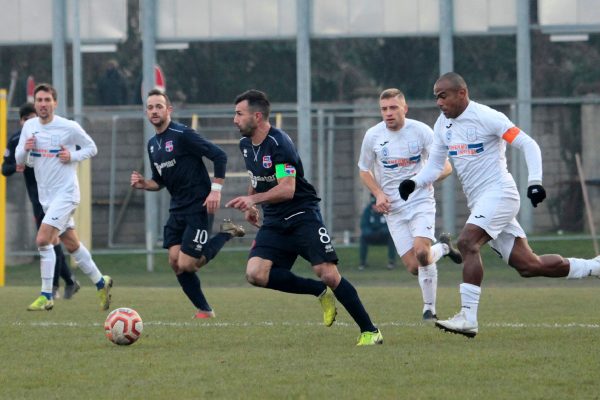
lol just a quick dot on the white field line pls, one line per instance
(242, 324)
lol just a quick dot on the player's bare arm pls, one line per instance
(283, 191)
(213, 201)
(382, 203)
(137, 181)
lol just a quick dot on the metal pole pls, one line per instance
(329, 190)
(113, 182)
(447, 65)
(524, 105)
(303, 84)
(149, 60)
(59, 67)
(77, 74)
(321, 151)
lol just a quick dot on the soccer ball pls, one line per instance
(123, 326)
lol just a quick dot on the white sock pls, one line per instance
(438, 251)
(428, 282)
(581, 268)
(86, 264)
(469, 297)
(47, 262)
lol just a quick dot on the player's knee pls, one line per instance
(256, 279)
(467, 246)
(422, 255)
(257, 276)
(329, 275)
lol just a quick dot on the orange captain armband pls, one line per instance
(511, 134)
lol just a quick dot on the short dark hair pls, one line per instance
(158, 92)
(391, 93)
(457, 81)
(257, 101)
(46, 87)
(26, 110)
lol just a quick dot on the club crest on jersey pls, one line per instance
(169, 146)
(385, 152)
(413, 147)
(246, 153)
(267, 163)
(471, 134)
(289, 169)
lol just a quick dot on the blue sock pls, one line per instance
(190, 283)
(100, 284)
(347, 295)
(47, 295)
(214, 245)
(285, 281)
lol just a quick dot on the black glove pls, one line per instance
(406, 188)
(536, 194)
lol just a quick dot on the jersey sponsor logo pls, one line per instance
(465, 149)
(401, 162)
(255, 179)
(169, 146)
(266, 162)
(45, 153)
(163, 165)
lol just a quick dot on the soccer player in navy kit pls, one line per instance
(175, 154)
(292, 223)
(9, 167)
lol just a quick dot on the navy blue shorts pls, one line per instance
(188, 230)
(302, 234)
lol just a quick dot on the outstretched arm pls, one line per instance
(137, 181)
(533, 157)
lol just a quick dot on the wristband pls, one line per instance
(216, 187)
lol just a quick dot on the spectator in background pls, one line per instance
(374, 231)
(9, 167)
(112, 87)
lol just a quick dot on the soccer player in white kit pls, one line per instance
(396, 149)
(48, 144)
(475, 137)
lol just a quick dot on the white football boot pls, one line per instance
(459, 324)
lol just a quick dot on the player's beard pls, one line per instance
(248, 129)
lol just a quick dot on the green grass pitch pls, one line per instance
(537, 337)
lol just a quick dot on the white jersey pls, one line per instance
(55, 178)
(476, 143)
(394, 156)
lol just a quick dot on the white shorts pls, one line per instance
(405, 228)
(59, 214)
(495, 212)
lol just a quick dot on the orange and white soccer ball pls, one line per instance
(123, 326)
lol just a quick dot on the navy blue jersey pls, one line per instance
(9, 167)
(277, 148)
(176, 158)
